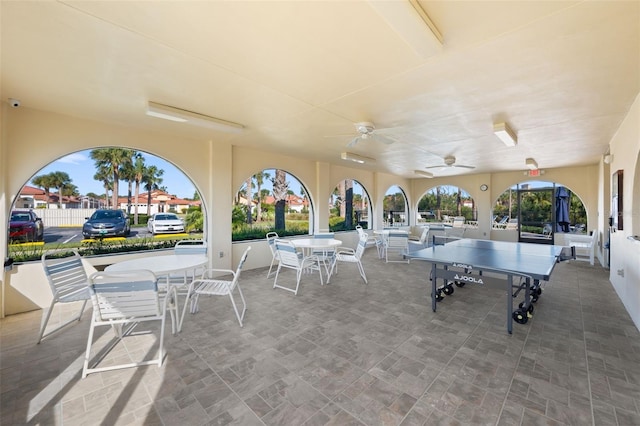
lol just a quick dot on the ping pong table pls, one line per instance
(518, 266)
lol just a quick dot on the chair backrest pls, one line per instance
(287, 254)
(125, 295)
(327, 235)
(362, 244)
(424, 235)
(66, 275)
(242, 260)
(239, 268)
(271, 239)
(190, 247)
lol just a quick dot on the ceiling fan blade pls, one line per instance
(441, 167)
(460, 166)
(384, 139)
(353, 142)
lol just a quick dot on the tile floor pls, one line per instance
(347, 354)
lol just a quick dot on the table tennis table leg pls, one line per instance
(510, 303)
(434, 284)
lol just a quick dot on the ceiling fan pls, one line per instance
(450, 161)
(367, 130)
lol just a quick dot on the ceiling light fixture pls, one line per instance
(357, 158)
(167, 112)
(505, 134)
(423, 173)
(531, 164)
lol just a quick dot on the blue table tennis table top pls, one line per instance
(534, 260)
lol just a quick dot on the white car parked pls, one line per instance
(164, 223)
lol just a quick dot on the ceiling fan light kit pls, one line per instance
(170, 113)
(360, 159)
(505, 134)
(367, 130)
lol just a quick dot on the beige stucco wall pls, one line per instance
(31, 139)
(625, 252)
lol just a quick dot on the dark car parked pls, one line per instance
(25, 226)
(106, 223)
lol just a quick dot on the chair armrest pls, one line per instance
(345, 250)
(205, 273)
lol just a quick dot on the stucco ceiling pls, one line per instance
(298, 74)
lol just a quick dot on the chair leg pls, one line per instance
(273, 259)
(275, 281)
(87, 355)
(244, 302)
(320, 273)
(46, 321)
(161, 343)
(333, 270)
(184, 309)
(362, 274)
(235, 308)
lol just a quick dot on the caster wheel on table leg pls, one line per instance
(520, 316)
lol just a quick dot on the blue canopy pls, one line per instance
(562, 210)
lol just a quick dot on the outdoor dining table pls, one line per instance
(309, 245)
(163, 267)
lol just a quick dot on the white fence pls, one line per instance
(63, 217)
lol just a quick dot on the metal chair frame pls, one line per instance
(68, 281)
(209, 285)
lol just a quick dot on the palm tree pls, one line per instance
(127, 173)
(280, 188)
(44, 182)
(103, 175)
(112, 159)
(139, 171)
(260, 177)
(348, 204)
(151, 180)
(249, 197)
(59, 180)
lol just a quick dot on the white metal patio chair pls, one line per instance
(121, 299)
(325, 256)
(184, 247)
(290, 258)
(271, 239)
(372, 241)
(69, 283)
(349, 255)
(211, 285)
(396, 242)
(422, 242)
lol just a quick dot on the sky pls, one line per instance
(81, 168)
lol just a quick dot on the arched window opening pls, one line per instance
(65, 194)
(271, 200)
(539, 209)
(395, 208)
(349, 206)
(444, 202)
